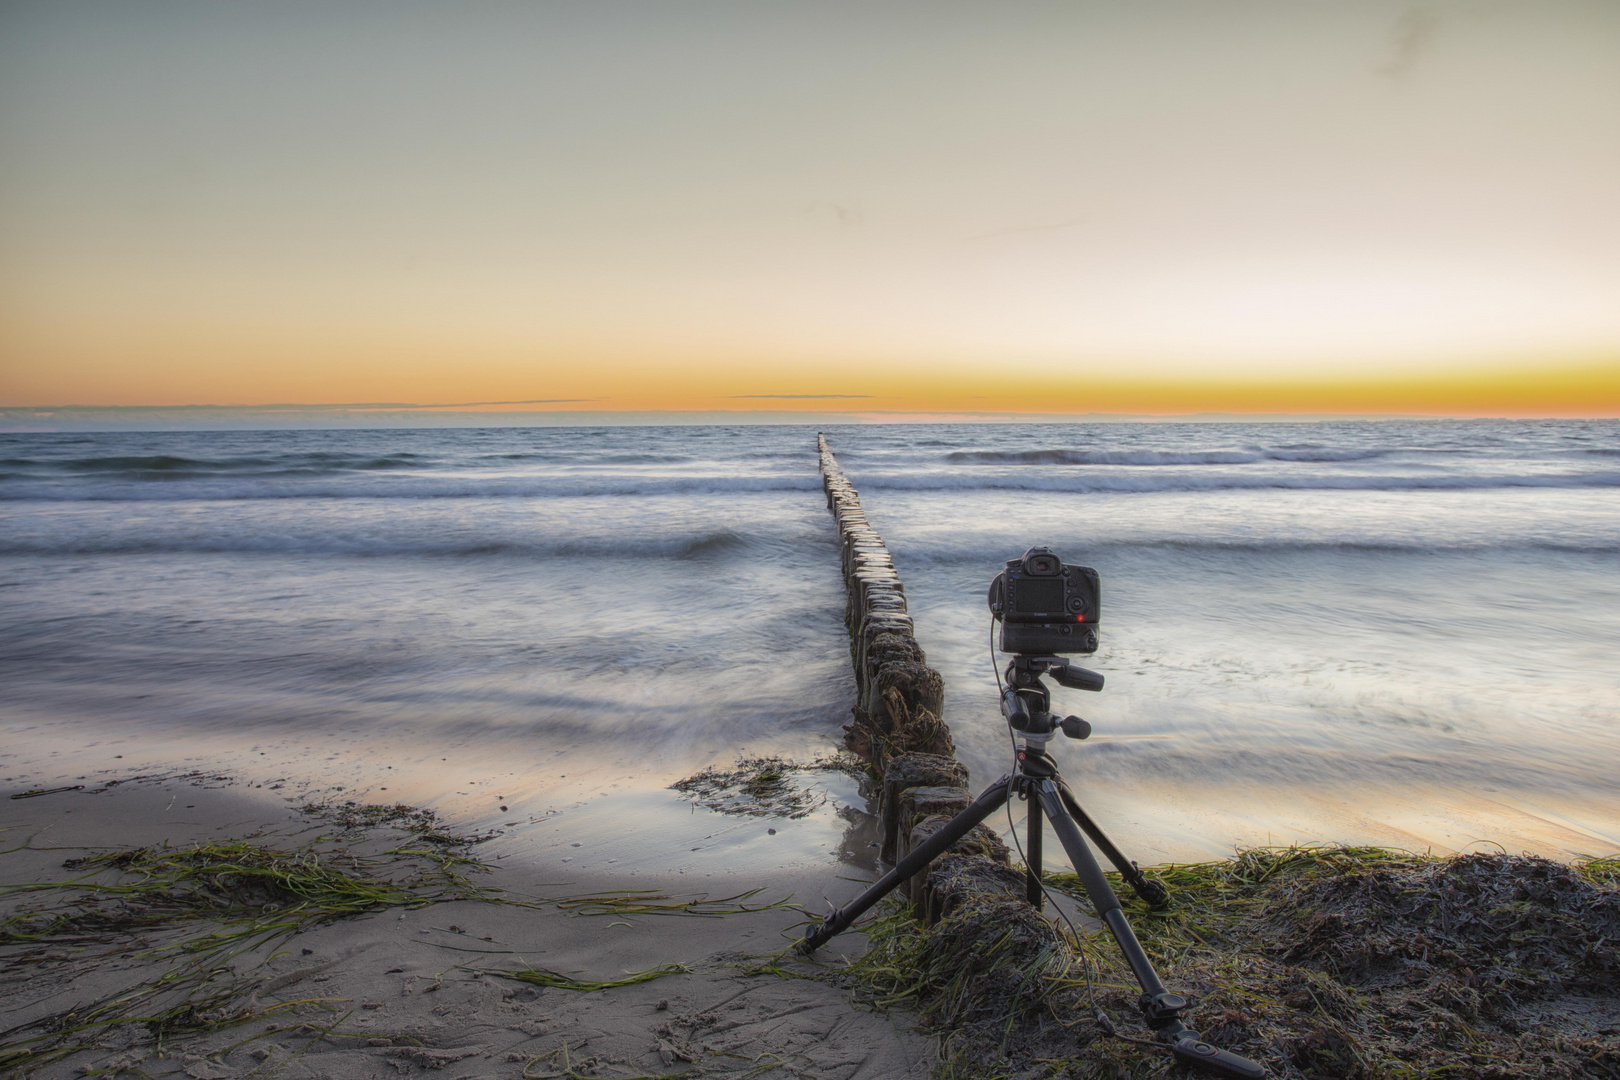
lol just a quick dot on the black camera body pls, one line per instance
(1045, 606)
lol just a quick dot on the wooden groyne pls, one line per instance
(897, 729)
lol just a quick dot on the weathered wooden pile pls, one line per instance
(897, 727)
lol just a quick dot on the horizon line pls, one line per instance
(367, 406)
(44, 420)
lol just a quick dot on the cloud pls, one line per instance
(475, 404)
(1411, 37)
(317, 406)
(799, 396)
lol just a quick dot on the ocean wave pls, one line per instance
(1322, 454)
(699, 545)
(574, 457)
(415, 486)
(1103, 457)
(380, 485)
(169, 467)
(990, 554)
(1133, 482)
(1308, 453)
(150, 463)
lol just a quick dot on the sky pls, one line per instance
(888, 208)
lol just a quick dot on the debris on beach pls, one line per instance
(1352, 963)
(657, 902)
(536, 976)
(354, 815)
(355, 819)
(763, 786)
(186, 922)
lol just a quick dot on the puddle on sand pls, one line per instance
(543, 803)
(644, 829)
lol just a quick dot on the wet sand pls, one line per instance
(396, 991)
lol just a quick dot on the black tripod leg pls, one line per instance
(1032, 857)
(1161, 1008)
(839, 919)
(1153, 893)
(1097, 887)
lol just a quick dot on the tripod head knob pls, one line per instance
(1015, 709)
(1076, 678)
(1076, 728)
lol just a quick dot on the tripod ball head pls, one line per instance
(1026, 670)
(1026, 702)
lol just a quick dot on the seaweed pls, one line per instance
(654, 902)
(1350, 962)
(195, 926)
(763, 786)
(194, 912)
(557, 980)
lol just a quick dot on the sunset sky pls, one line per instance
(873, 207)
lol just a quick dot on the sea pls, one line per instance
(1386, 632)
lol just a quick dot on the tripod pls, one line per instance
(1026, 704)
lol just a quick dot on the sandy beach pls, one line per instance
(400, 990)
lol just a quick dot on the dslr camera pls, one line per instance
(1046, 607)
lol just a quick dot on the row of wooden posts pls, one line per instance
(897, 729)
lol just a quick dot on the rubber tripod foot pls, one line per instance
(1153, 893)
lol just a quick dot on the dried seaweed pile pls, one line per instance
(983, 974)
(1345, 962)
(763, 786)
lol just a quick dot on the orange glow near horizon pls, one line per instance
(1041, 209)
(1036, 386)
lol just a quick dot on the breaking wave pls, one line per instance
(1191, 481)
(717, 542)
(1160, 457)
(414, 486)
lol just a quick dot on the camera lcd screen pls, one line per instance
(1038, 594)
